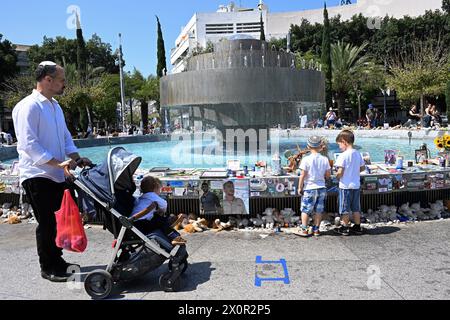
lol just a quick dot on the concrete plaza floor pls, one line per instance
(412, 261)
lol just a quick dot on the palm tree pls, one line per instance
(347, 63)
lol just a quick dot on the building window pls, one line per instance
(248, 27)
(224, 28)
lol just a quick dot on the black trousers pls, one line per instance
(157, 222)
(45, 197)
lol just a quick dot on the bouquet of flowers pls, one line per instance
(443, 143)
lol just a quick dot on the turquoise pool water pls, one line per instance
(204, 155)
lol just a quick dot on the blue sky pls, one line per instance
(28, 22)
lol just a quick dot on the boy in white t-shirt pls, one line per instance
(349, 166)
(315, 169)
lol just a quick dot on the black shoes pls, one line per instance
(356, 229)
(55, 276)
(61, 272)
(343, 231)
(65, 266)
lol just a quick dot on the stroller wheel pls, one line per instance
(168, 284)
(183, 270)
(98, 284)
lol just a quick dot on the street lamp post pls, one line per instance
(386, 92)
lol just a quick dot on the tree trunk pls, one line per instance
(422, 108)
(359, 107)
(341, 105)
(144, 115)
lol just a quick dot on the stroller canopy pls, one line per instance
(115, 174)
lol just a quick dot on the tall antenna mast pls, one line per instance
(122, 84)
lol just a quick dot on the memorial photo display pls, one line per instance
(227, 197)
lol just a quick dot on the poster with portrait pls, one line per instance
(236, 197)
(211, 197)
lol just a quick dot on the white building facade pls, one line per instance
(229, 20)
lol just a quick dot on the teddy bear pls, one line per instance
(406, 211)
(195, 224)
(279, 219)
(289, 217)
(436, 209)
(257, 222)
(220, 226)
(392, 213)
(242, 222)
(269, 221)
(418, 211)
(383, 213)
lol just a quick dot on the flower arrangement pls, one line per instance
(443, 143)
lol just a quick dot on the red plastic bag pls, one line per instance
(70, 233)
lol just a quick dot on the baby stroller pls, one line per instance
(110, 189)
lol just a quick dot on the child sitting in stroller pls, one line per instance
(148, 211)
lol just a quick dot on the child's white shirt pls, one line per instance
(316, 165)
(352, 161)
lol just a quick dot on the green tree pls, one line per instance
(420, 74)
(365, 85)
(446, 6)
(447, 98)
(15, 89)
(81, 54)
(263, 34)
(106, 106)
(162, 65)
(149, 91)
(100, 54)
(60, 50)
(347, 62)
(326, 59)
(8, 60)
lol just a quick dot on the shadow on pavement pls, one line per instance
(368, 232)
(196, 274)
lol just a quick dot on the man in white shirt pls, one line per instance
(44, 144)
(231, 204)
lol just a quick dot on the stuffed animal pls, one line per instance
(406, 211)
(220, 226)
(184, 222)
(25, 212)
(257, 222)
(392, 213)
(289, 217)
(269, 221)
(436, 210)
(242, 223)
(418, 211)
(198, 225)
(13, 219)
(279, 220)
(233, 221)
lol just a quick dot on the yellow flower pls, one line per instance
(446, 137)
(439, 142)
(447, 144)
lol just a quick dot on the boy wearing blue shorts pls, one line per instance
(349, 166)
(315, 169)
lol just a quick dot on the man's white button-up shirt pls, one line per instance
(42, 135)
